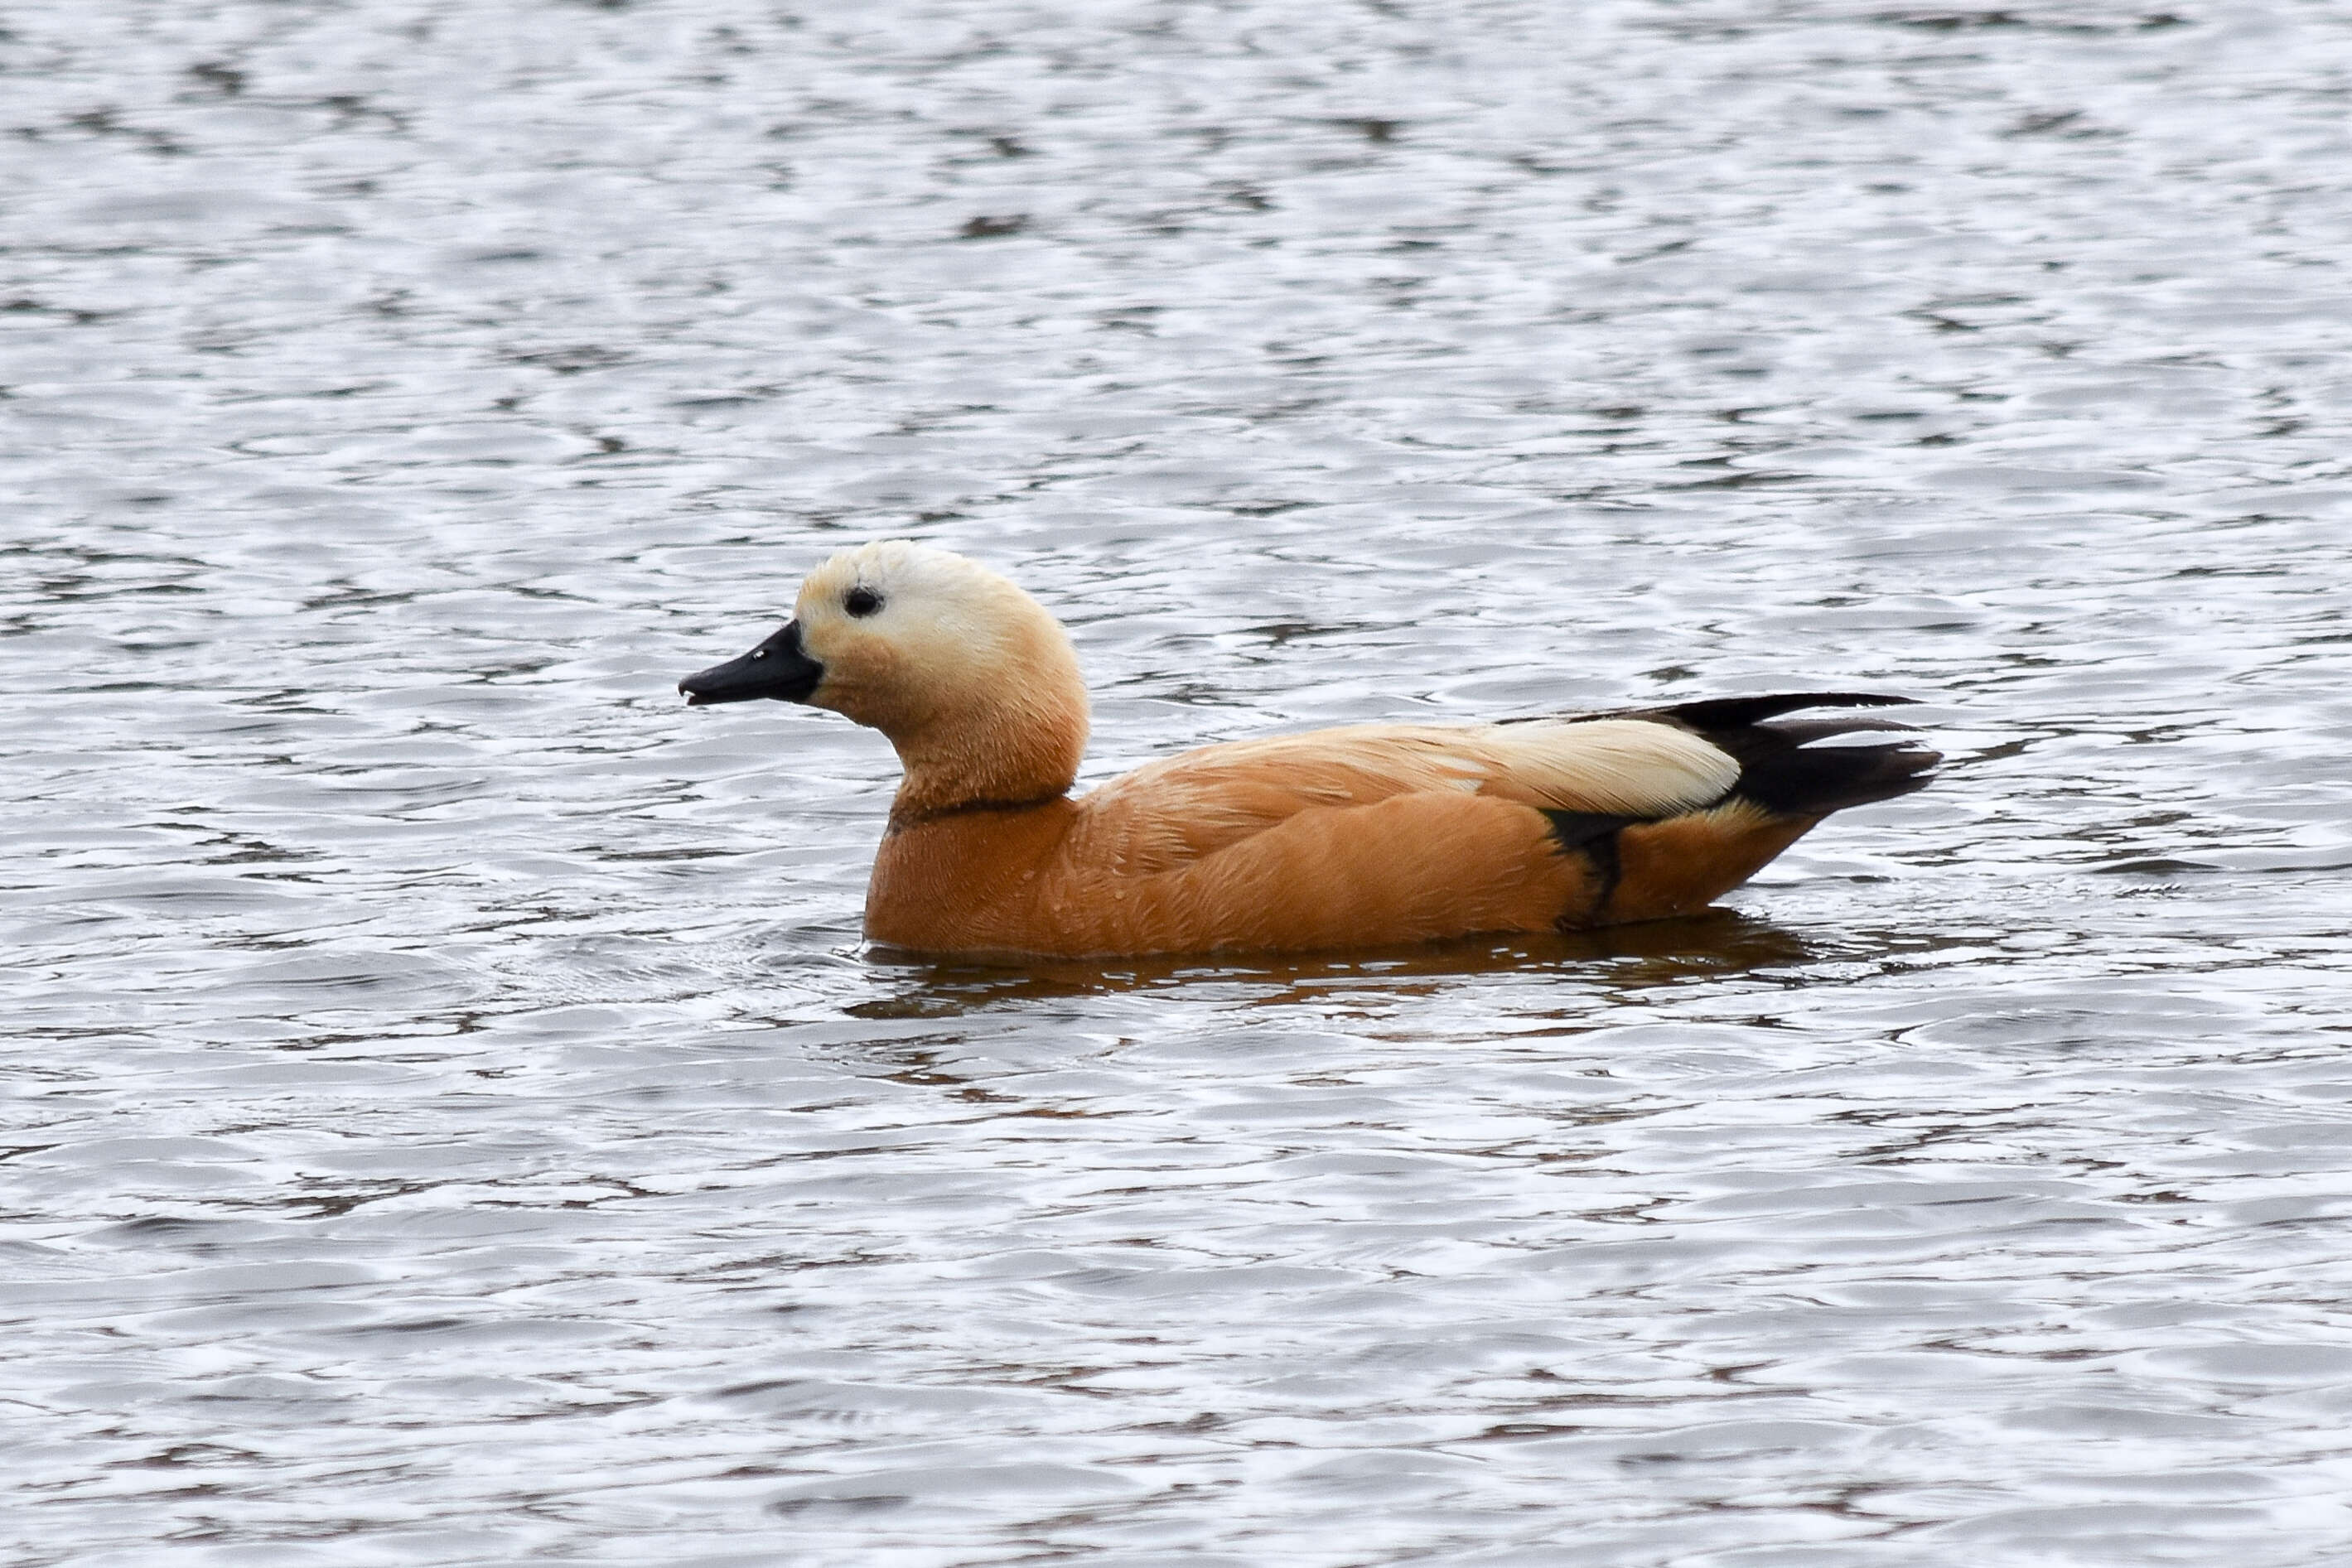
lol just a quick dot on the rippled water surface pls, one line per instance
(453, 1119)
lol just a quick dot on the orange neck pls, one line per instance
(1011, 753)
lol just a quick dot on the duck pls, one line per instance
(1370, 835)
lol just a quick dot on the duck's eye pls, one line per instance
(861, 602)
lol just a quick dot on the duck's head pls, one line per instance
(972, 681)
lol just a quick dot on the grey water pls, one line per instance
(451, 1115)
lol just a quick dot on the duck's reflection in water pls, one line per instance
(1719, 942)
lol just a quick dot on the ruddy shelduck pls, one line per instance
(1370, 835)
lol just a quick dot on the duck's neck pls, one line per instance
(1003, 758)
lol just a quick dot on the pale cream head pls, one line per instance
(973, 682)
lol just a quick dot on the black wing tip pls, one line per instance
(1782, 770)
(1734, 713)
(1709, 713)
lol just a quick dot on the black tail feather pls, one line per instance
(1813, 781)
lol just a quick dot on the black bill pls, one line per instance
(776, 668)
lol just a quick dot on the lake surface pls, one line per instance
(451, 1118)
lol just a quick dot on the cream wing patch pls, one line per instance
(1624, 767)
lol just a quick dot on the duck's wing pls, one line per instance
(1401, 833)
(1175, 812)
